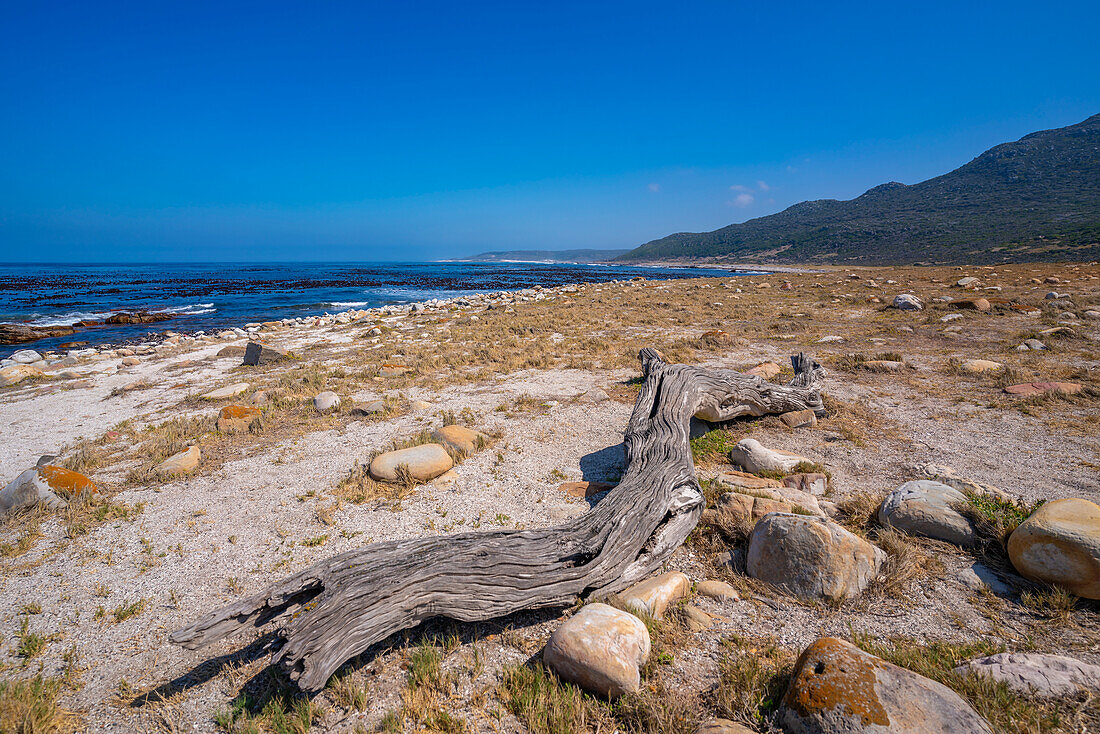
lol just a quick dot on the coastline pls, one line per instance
(549, 377)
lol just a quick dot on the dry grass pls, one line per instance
(1006, 710)
(31, 707)
(752, 678)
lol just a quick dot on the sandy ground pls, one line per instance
(268, 506)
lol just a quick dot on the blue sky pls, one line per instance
(364, 130)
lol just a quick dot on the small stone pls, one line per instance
(927, 509)
(1036, 388)
(722, 726)
(424, 463)
(394, 370)
(464, 440)
(799, 419)
(1060, 544)
(882, 365)
(967, 282)
(813, 483)
(696, 619)
(372, 408)
(753, 457)
(978, 366)
(950, 317)
(226, 392)
(259, 354)
(130, 361)
(719, 590)
(830, 339)
(811, 557)
(599, 648)
(837, 688)
(584, 489)
(976, 304)
(595, 395)
(978, 576)
(236, 418)
(907, 302)
(184, 462)
(326, 401)
(420, 405)
(1036, 674)
(766, 370)
(653, 596)
(744, 480)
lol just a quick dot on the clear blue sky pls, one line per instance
(413, 130)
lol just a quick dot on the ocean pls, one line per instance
(219, 295)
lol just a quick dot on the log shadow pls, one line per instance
(605, 465)
(270, 682)
(209, 669)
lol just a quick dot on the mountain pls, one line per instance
(551, 256)
(1035, 199)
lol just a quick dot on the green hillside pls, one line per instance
(1034, 199)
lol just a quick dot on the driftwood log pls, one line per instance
(337, 608)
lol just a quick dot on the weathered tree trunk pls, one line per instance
(337, 608)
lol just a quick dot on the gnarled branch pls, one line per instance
(337, 608)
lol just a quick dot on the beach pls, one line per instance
(548, 376)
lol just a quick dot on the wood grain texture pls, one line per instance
(337, 608)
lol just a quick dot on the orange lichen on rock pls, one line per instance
(833, 674)
(65, 482)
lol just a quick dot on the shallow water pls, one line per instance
(214, 296)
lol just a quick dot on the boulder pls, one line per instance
(1060, 544)
(21, 333)
(16, 373)
(51, 485)
(325, 401)
(747, 508)
(718, 590)
(907, 302)
(184, 462)
(653, 596)
(130, 361)
(790, 497)
(138, 318)
(424, 463)
(229, 391)
(236, 351)
(927, 508)
(1037, 388)
(695, 619)
(766, 370)
(600, 649)
(753, 457)
(464, 440)
(259, 354)
(1036, 674)
(979, 366)
(811, 557)
(799, 419)
(837, 688)
(26, 356)
(967, 282)
(236, 418)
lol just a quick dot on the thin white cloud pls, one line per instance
(763, 186)
(739, 187)
(743, 200)
(654, 187)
